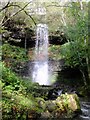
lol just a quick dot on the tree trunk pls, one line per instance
(81, 4)
(84, 77)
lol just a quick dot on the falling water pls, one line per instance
(40, 72)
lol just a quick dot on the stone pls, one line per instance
(65, 106)
(46, 114)
(73, 102)
(69, 101)
(41, 103)
(51, 105)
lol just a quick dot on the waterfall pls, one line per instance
(40, 71)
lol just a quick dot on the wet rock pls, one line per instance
(68, 105)
(41, 103)
(78, 93)
(51, 105)
(46, 114)
(54, 93)
(65, 106)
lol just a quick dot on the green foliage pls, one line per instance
(54, 52)
(74, 54)
(13, 52)
(16, 102)
(16, 105)
(75, 51)
(18, 94)
(9, 78)
(2, 30)
(14, 57)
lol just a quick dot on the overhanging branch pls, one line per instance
(59, 6)
(6, 6)
(21, 9)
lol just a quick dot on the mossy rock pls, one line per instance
(51, 105)
(41, 103)
(46, 114)
(65, 106)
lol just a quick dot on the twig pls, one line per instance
(6, 6)
(22, 9)
(58, 6)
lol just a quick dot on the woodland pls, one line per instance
(69, 45)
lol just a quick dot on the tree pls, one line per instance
(76, 52)
(10, 15)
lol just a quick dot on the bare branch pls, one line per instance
(26, 13)
(21, 9)
(58, 6)
(30, 17)
(6, 6)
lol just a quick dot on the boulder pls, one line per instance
(65, 106)
(69, 101)
(73, 102)
(51, 105)
(41, 103)
(46, 114)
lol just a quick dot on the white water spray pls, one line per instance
(40, 72)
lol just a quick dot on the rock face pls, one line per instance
(17, 33)
(63, 107)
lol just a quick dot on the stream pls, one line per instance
(85, 110)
